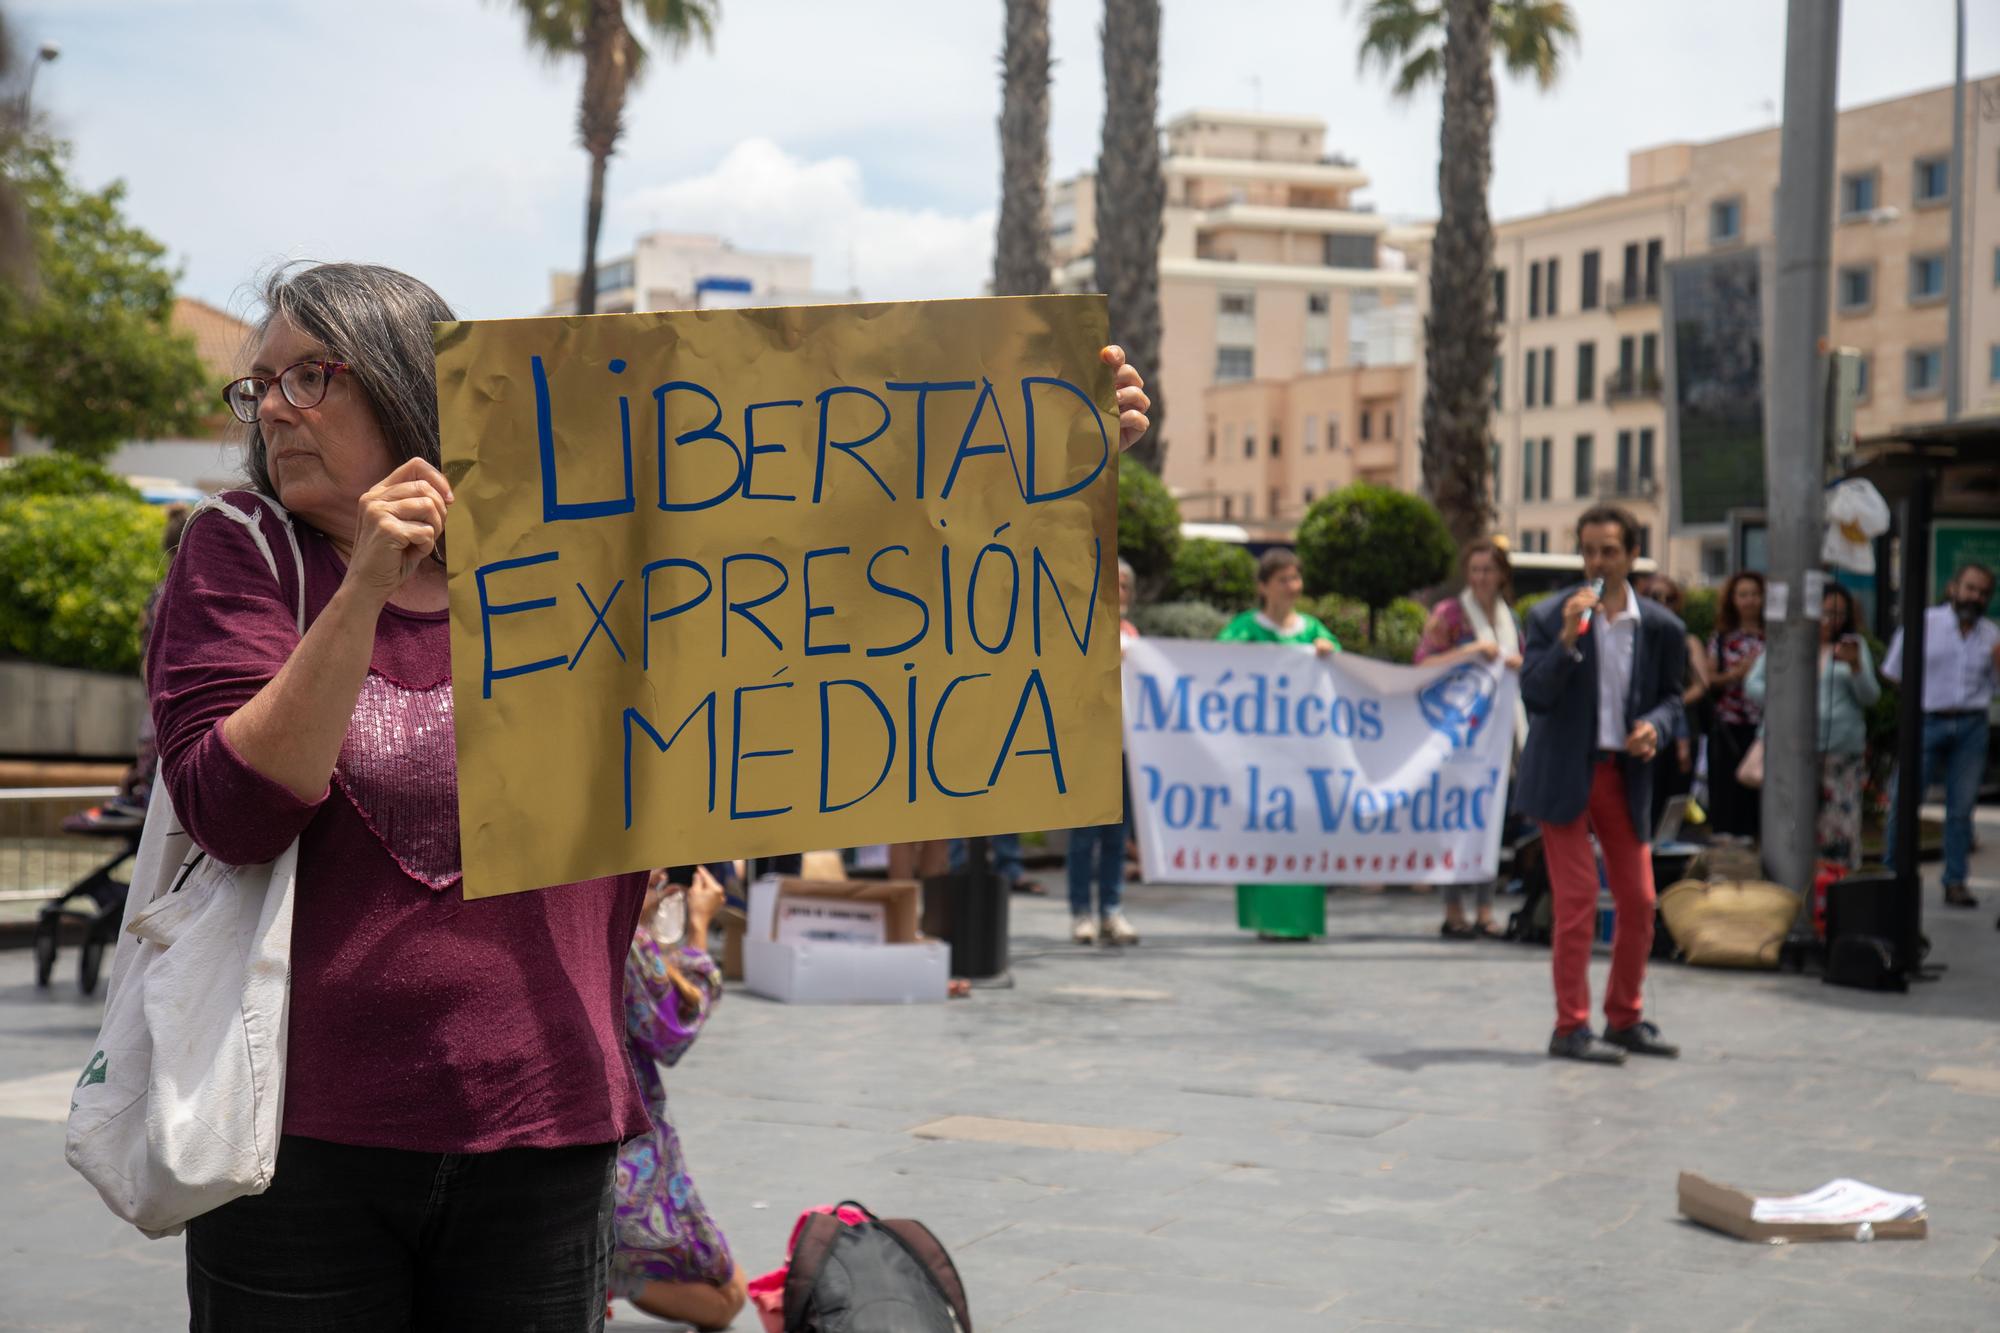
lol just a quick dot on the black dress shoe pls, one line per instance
(1582, 1044)
(1957, 895)
(1642, 1039)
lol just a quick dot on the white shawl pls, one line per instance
(1508, 635)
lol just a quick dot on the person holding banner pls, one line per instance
(1097, 855)
(456, 1083)
(1281, 911)
(1476, 625)
(1602, 677)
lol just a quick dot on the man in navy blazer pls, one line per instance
(1601, 675)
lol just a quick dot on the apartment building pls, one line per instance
(1580, 295)
(688, 271)
(1288, 312)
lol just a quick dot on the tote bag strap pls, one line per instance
(256, 530)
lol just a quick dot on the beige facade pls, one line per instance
(688, 271)
(1582, 290)
(1277, 291)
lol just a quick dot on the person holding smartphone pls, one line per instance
(1847, 690)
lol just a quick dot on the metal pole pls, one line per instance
(1955, 263)
(1794, 453)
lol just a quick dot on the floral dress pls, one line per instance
(663, 1232)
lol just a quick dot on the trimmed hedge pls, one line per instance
(75, 572)
(1221, 574)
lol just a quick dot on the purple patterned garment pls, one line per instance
(664, 1233)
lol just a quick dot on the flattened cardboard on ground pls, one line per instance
(733, 922)
(908, 969)
(1731, 1211)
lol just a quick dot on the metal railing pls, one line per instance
(1618, 295)
(1622, 386)
(37, 859)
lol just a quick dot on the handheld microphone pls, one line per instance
(1596, 590)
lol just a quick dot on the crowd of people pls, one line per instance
(476, 1129)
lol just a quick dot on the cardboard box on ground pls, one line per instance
(905, 969)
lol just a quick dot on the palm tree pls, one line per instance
(1021, 244)
(1131, 194)
(614, 60)
(16, 246)
(1455, 41)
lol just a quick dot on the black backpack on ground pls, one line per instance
(878, 1276)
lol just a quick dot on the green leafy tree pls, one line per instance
(1220, 573)
(1373, 544)
(1179, 620)
(1698, 610)
(1149, 523)
(75, 572)
(89, 358)
(1455, 42)
(614, 61)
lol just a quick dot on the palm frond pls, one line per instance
(1403, 38)
(1529, 36)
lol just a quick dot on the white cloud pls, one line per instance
(761, 197)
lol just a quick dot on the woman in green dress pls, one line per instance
(1281, 911)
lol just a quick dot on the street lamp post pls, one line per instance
(46, 55)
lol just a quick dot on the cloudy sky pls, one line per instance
(421, 134)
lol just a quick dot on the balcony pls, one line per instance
(1620, 484)
(1619, 295)
(1625, 386)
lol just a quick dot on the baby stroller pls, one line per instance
(99, 899)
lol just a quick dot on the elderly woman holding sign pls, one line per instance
(457, 1081)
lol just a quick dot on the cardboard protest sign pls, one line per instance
(1259, 763)
(736, 583)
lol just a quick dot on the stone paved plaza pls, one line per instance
(1209, 1133)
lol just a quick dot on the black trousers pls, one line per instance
(376, 1240)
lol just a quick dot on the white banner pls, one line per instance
(1257, 763)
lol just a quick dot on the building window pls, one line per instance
(1858, 190)
(1864, 376)
(1318, 303)
(1315, 360)
(1649, 361)
(1857, 289)
(1548, 469)
(1499, 380)
(1931, 181)
(1529, 450)
(1548, 377)
(1996, 266)
(1236, 303)
(1555, 284)
(1211, 440)
(1307, 494)
(1277, 502)
(1926, 278)
(1628, 287)
(1587, 298)
(1725, 221)
(1493, 471)
(1529, 363)
(1277, 444)
(1645, 542)
(1923, 374)
(1249, 444)
(1646, 461)
(1388, 423)
(1311, 436)
(1332, 434)
(1367, 424)
(1234, 363)
(1584, 475)
(1993, 364)
(1229, 506)
(1623, 478)
(1500, 295)
(1586, 372)
(1535, 290)
(1344, 251)
(1653, 254)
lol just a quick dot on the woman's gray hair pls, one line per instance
(377, 321)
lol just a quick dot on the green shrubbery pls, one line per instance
(1374, 545)
(60, 474)
(1218, 573)
(1179, 620)
(75, 571)
(1149, 523)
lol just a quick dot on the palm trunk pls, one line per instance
(1459, 336)
(593, 220)
(1131, 195)
(1021, 246)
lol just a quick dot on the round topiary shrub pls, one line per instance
(75, 572)
(1179, 620)
(1373, 544)
(60, 474)
(1219, 573)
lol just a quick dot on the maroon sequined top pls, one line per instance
(418, 1020)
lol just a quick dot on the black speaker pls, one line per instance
(1867, 916)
